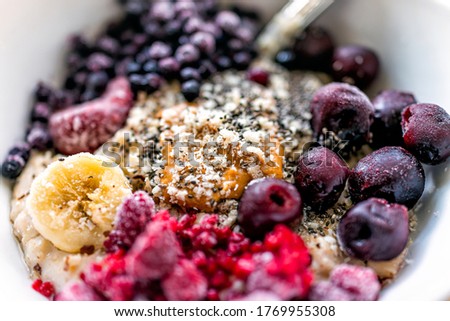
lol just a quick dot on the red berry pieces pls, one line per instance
(391, 173)
(386, 127)
(282, 266)
(320, 177)
(258, 75)
(108, 277)
(347, 282)
(426, 132)
(84, 128)
(344, 110)
(266, 203)
(185, 283)
(132, 217)
(77, 291)
(44, 288)
(374, 230)
(314, 49)
(155, 252)
(356, 65)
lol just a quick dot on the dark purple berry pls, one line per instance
(244, 34)
(162, 11)
(173, 29)
(151, 66)
(314, 49)
(320, 177)
(190, 89)
(228, 21)
(159, 50)
(61, 99)
(224, 63)
(266, 203)
(79, 45)
(132, 217)
(41, 112)
(190, 73)
(13, 166)
(99, 61)
(206, 68)
(242, 60)
(287, 59)
(391, 173)
(21, 149)
(187, 54)
(374, 230)
(134, 67)
(192, 25)
(138, 83)
(258, 75)
(97, 81)
(235, 45)
(355, 65)
(386, 127)
(39, 137)
(43, 92)
(169, 67)
(426, 132)
(154, 82)
(108, 45)
(204, 41)
(88, 95)
(344, 110)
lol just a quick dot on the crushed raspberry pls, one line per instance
(45, 288)
(185, 283)
(192, 259)
(132, 217)
(78, 291)
(85, 127)
(347, 283)
(155, 252)
(108, 277)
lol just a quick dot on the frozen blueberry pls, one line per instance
(39, 137)
(99, 61)
(224, 62)
(13, 166)
(159, 50)
(314, 49)
(320, 177)
(386, 127)
(287, 58)
(426, 132)
(206, 68)
(134, 67)
(204, 41)
(137, 82)
(43, 92)
(266, 203)
(151, 66)
(190, 73)
(391, 173)
(97, 81)
(108, 45)
(228, 21)
(41, 112)
(187, 54)
(356, 65)
(190, 89)
(169, 67)
(21, 149)
(153, 82)
(374, 230)
(344, 110)
(242, 60)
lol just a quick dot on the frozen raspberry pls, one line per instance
(426, 132)
(361, 282)
(132, 217)
(320, 177)
(154, 253)
(85, 127)
(266, 203)
(258, 75)
(327, 291)
(374, 230)
(44, 288)
(109, 278)
(77, 291)
(391, 173)
(282, 267)
(185, 283)
(344, 110)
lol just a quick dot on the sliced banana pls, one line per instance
(73, 202)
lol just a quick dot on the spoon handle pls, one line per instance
(295, 16)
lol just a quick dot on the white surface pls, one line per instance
(411, 37)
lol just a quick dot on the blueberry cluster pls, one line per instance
(154, 42)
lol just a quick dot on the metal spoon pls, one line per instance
(295, 16)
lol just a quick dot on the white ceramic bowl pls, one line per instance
(411, 37)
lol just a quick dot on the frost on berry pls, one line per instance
(185, 283)
(85, 127)
(155, 252)
(132, 217)
(77, 291)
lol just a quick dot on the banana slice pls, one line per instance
(73, 202)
